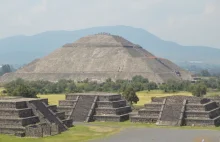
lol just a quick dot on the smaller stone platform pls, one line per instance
(86, 107)
(31, 117)
(180, 111)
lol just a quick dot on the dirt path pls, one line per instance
(162, 135)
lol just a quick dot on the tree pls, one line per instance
(151, 86)
(130, 95)
(205, 73)
(20, 88)
(71, 87)
(199, 90)
(5, 69)
(24, 91)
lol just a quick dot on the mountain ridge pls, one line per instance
(23, 49)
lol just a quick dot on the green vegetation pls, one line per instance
(199, 90)
(138, 83)
(20, 87)
(5, 69)
(76, 134)
(130, 95)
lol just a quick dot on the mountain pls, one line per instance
(99, 57)
(23, 49)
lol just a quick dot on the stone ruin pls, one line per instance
(97, 58)
(95, 107)
(180, 111)
(31, 118)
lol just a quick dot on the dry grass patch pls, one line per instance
(145, 96)
(53, 98)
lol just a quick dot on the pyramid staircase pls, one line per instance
(95, 107)
(31, 118)
(180, 111)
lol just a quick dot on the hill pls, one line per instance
(23, 49)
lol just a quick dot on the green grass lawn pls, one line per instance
(74, 134)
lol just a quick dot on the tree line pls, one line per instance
(24, 88)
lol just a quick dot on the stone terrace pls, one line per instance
(180, 111)
(95, 107)
(31, 118)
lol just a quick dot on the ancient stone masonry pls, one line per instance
(96, 58)
(31, 118)
(95, 107)
(180, 111)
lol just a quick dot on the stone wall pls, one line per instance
(115, 111)
(31, 118)
(107, 107)
(196, 111)
(114, 104)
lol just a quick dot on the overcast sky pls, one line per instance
(188, 22)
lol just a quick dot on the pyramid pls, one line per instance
(98, 57)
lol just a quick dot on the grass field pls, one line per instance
(145, 96)
(53, 98)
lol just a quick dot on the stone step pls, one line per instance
(202, 121)
(153, 106)
(52, 107)
(19, 121)
(11, 104)
(61, 115)
(68, 122)
(26, 112)
(203, 114)
(145, 119)
(66, 109)
(71, 97)
(201, 107)
(144, 112)
(115, 111)
(110, 97)
(67, 102)
(113, 118)
(82, 108)
(13, 130)
(111, 104)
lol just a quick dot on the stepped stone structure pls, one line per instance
(180, 111)
(95, 107)
(26, 117)
(97, 58)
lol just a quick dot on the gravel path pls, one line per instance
(162, 135)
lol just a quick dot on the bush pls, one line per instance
(199, 90)
(20, 88)
(130, 95)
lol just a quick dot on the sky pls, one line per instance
(187, 22)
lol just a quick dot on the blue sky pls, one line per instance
(188, 22)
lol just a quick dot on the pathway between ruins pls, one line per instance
(162, 135)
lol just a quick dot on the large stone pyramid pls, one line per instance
(98, 57)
